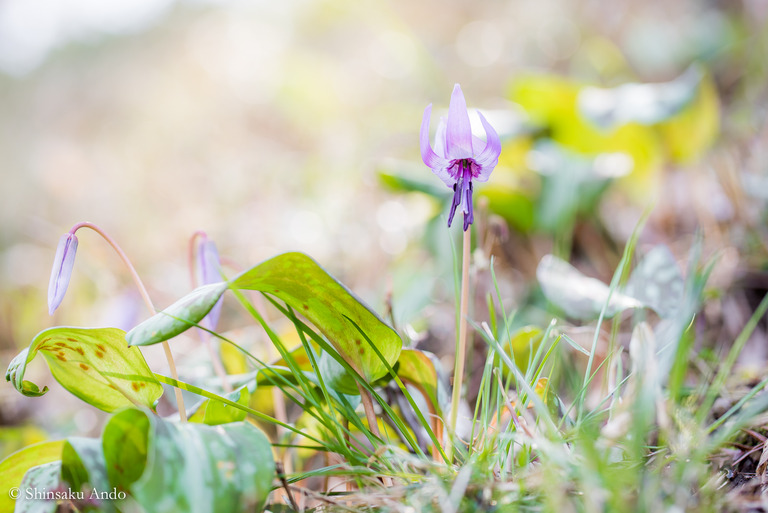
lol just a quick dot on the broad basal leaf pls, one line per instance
(95, 364)
(299, 281)
(655, 283)
(188, 467)
(332, 308)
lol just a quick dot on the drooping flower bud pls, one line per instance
(62, 270)
(209, 271)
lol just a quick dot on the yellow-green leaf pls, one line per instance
(94, 364)
(214, 412)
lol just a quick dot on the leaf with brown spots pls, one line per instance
(95, 364)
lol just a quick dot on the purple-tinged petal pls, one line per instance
(446, 176)
(63, 263)
(438, 164)
(477, 142)
(489, 157)
(208, 271)
(430, 158)
(459, 134)
(440, 137)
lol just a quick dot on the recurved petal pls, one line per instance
(489, 157)
(459, 130)
(445, 175)
(430, 158)
(61, 272)
(439, 146)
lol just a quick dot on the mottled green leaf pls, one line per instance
(83, 467)
(655, 283)
(167, 466)
(13, 468)
(35, 488)
(95, 364)
(577, 295)
(178, 317)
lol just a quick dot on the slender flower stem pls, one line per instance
(461, 343)
(373, 423)
(147, 301)
(370, 414)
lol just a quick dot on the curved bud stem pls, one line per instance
(147, 301)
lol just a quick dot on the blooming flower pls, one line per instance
(458, 157)
(62, 270)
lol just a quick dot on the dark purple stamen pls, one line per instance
(456, 201)
(462, 190)
(469, 217)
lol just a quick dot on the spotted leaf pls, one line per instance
(95, 364)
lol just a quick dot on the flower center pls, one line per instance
(463, 170)
(459, 167)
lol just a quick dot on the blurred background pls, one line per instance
(277, 126)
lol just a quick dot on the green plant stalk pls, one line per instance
(145, 296)
(461, 343)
